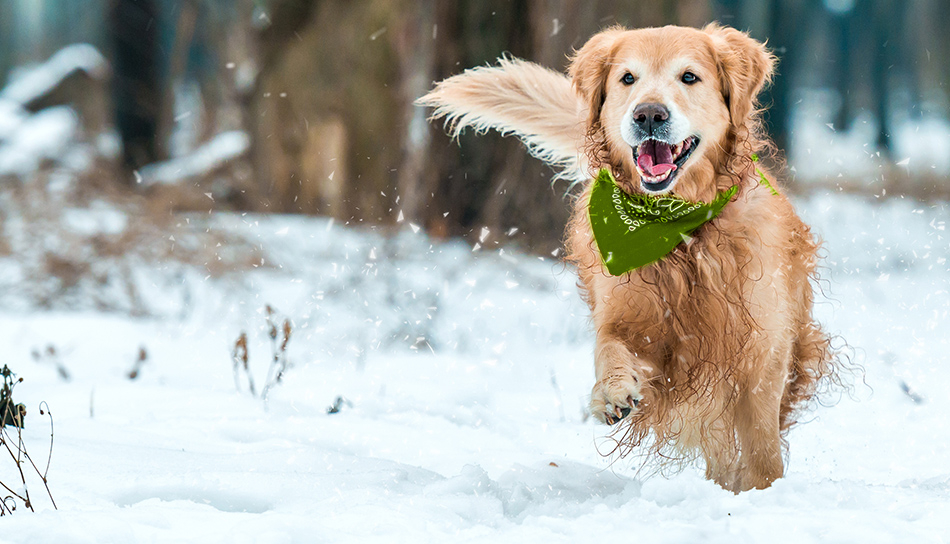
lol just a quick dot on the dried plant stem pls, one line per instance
(279, 339)
(6, 439)
(240, 357)
(279, 361)
(49, 454)
(21, 457)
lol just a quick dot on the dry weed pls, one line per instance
(14, 415)
(279, 339)
(139, 362)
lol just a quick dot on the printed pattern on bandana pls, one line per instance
(633, 231)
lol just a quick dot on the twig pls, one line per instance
(139, 362)
(19, 466)
(338, 404)
(911, 393)
(7, 508)
(49, 455)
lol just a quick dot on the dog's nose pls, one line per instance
(650, 116)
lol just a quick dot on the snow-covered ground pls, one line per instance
(465, 376)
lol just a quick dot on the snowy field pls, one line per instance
(465, 375)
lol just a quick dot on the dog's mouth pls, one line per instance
(658, 162)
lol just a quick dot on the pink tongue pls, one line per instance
(653, 152)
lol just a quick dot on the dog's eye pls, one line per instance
(689, 78)
(628, 79)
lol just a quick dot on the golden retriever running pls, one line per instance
(711, 350)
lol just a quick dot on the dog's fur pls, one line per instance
(713, 350)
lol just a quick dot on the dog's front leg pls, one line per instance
(621, 378)
(757, 418)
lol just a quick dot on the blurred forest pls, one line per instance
(306, 106)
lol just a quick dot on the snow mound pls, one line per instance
(32, 82)
(44, 136)
(208, 157)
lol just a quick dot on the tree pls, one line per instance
(137, 92)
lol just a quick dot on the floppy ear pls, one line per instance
(745, 66)
(588, 70)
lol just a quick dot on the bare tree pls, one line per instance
(137, 91)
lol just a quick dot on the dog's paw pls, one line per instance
(615, 397)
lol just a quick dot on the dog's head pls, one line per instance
(667, 106)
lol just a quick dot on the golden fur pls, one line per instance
(711, 351)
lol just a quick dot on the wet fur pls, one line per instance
(717, 339)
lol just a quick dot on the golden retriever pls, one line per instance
(711, 351)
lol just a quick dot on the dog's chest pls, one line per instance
(685, 298)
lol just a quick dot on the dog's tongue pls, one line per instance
(655, 158)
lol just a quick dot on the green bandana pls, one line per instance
(635, 230)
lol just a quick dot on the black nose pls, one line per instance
(651, 116)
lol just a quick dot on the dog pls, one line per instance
(710, 351)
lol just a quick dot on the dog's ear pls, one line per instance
(745, 66)
(589, 67)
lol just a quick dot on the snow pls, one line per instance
(44, 136)
(464, 376)
(819, 149)
(28, 83)
(924, 142)
(99, 219)
(29, 141)
(11, 116)
(209, 156)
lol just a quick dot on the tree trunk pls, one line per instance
(6, 41)
(136, 88)
(787, 39)
(843, 75)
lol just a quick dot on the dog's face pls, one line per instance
(669, 101)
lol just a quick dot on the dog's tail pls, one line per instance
(517, 97)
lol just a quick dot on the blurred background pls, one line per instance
(306, 106)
